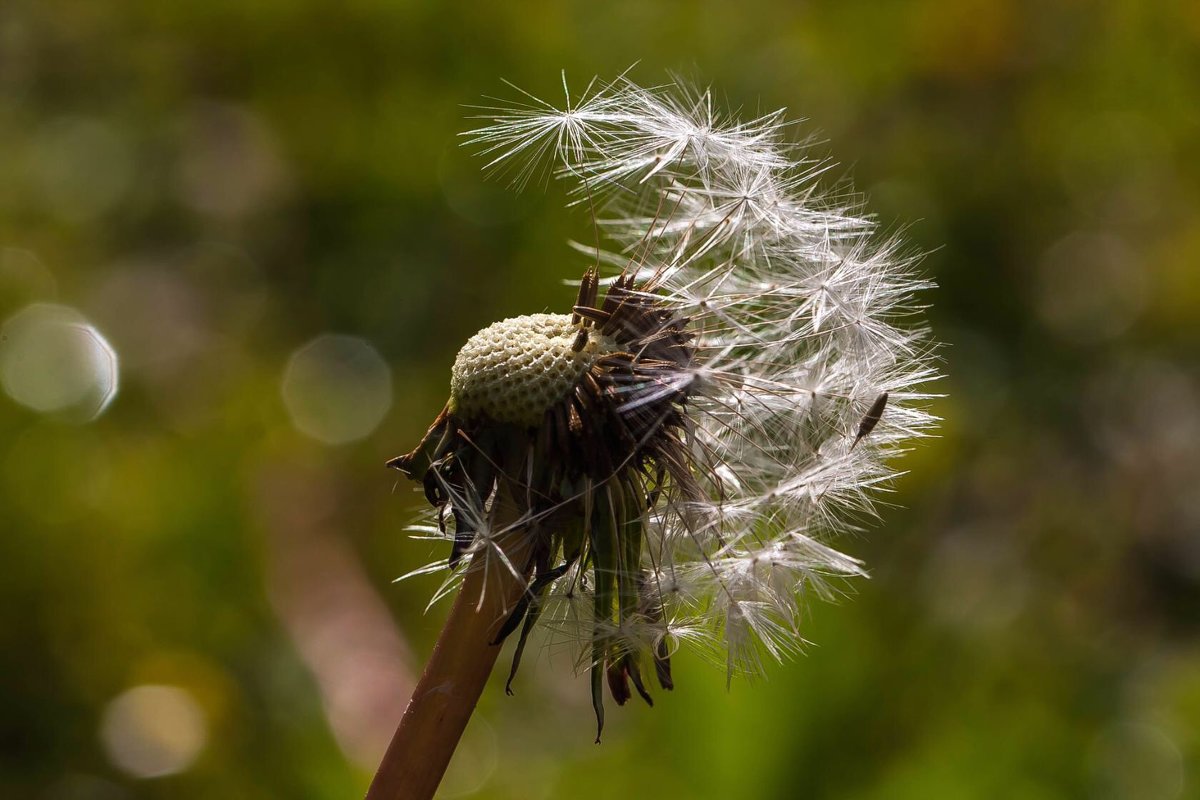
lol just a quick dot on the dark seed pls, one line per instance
(871, 419)
(580, 340)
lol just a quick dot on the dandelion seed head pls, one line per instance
(691, 438)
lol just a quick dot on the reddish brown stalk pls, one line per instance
(457, 671)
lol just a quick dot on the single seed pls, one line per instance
(871, 419)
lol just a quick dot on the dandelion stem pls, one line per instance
(458, 669)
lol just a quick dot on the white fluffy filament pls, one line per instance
(803, 319)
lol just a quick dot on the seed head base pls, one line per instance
(513, 371)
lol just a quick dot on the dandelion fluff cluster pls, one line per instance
(761, 357)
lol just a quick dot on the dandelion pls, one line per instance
(666, 464)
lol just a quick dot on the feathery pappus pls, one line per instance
(684, 442)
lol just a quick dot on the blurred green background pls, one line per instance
(262, 209)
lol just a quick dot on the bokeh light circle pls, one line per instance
(151, 731)
(1131, 758)
(81, 167)
(337, 388)
(53, 360)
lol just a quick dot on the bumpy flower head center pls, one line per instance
(516, 369)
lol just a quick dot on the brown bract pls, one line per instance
(604, 454)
